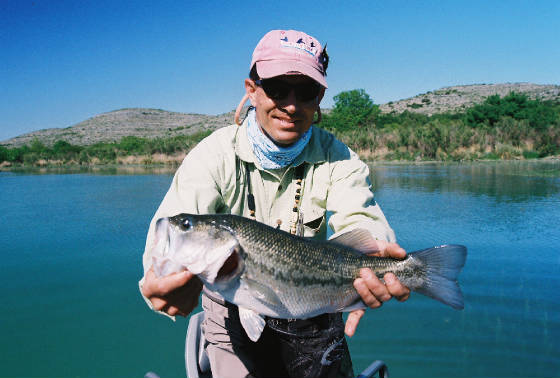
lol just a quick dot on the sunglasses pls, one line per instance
(278, 89)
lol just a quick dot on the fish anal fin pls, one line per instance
(252, 323)
(358, 304)
(359, 239)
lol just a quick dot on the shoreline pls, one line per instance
(161, 168)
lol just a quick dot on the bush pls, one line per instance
(530, 154)
(4, 154)
(15, 155)
(415, 105)
(517, 106)
(548, 143)
(105, 152)
(63, 150)
(133, 145)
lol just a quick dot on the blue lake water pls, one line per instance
(71, 246)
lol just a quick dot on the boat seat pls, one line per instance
(196, 358)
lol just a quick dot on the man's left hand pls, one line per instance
(373, 291)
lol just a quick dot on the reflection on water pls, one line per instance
(96, 170)
(507, 215)
(71, 257)
(504, 181)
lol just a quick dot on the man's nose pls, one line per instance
(290, 103)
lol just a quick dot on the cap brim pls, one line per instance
(268, 69)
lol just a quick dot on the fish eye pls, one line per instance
(186, 225)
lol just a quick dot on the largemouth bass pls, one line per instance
(269, 272)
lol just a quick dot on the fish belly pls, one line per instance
(284, 301)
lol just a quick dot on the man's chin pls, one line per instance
(285, 139)
(286, 133)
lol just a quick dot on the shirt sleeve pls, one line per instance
(351, 201)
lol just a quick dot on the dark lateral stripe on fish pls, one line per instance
(298, 277)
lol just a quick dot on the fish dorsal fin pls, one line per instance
(252, 323)
(359, 239)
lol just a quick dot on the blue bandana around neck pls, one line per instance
(269, 154)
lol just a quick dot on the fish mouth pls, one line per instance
(232, 267)
(177, 249)
(161, 262)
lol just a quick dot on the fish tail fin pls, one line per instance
(443, 265)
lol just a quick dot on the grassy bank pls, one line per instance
(454, 141)
(509, 127)
(129, 150)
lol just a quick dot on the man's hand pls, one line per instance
(373, 291)
(175, 294)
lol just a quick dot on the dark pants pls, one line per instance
(303, 348)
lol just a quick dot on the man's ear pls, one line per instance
(321, 94)
(250, 90)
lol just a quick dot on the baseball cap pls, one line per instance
(285, 52)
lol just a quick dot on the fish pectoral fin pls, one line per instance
(263, 293)
(252, 323)
(359, 239)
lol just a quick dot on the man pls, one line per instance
(280, 170)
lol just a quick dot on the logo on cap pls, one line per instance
(300, 45)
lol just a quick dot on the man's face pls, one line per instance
(284, 120)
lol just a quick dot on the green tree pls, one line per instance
(353, 109)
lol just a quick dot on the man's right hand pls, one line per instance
(175, 294)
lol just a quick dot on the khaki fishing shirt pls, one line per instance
(212, 179)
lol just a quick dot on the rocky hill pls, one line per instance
(458, 98)
(152, 123)
(112, 126)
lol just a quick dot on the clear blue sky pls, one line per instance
(62, 62)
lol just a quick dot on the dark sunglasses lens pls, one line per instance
(276, 89)
(279, 90)
(308, 92)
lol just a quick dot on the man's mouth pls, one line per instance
(286, 121)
